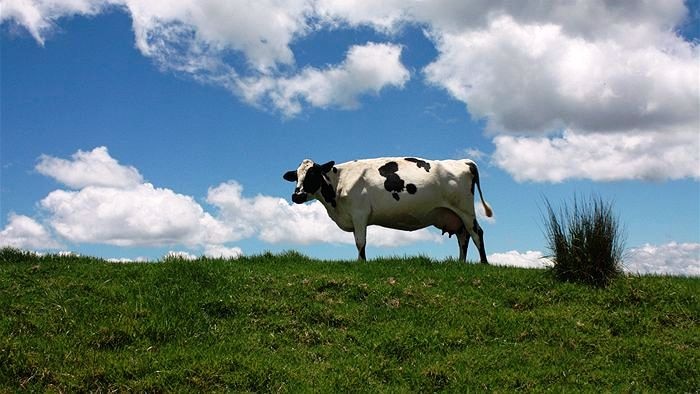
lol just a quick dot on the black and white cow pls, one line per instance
(399, 193)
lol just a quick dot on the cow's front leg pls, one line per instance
(360, 232)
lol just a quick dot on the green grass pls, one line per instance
(286, 323)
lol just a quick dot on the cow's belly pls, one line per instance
(441, 217)
(400, 222)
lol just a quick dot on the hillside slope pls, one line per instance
(288, 323)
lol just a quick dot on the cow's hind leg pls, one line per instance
(478, 236)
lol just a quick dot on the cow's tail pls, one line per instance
(487, 207)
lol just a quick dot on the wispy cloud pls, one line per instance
(39, 17)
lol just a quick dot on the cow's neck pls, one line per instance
(328, 193)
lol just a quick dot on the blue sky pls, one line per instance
(129, 131)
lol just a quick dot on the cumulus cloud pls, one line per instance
(600, 157)
(113, 205)
(625, 93)
(274, 220)
(141, 215)
(614, 72)
(195, 38)
(537, 78)
(366, 69)
(222, 252)
(261, 30)
(595, 18)
(669, 259)
(23, 232)
(513, 258)
(93, 168)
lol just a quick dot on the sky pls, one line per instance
(134, 129)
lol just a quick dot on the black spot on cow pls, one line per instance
(420, 163)
(328, 193)
(315, 179)
(389, 168)
(393, 183)
(475, 174)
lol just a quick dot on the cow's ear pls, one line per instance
(290, 176)
(327, 167)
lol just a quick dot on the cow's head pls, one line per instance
(311, 179)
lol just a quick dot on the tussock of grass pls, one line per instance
(586, 242)
(288, 323)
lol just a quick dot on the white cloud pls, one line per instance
(194, 38)
(366, 69)
(382, 15)
(222, 252)
(474, 154)
(614, 72)
(626, 92)
(537, 78)
(671, 259)
(179, 255)
(67, 253)
(261, 30)
(600, 157)
(513, 258)
(142, 215)
(114, 206)
(94, 168)
(274, 220)
(139, 259)
(39, 17)
(23, 232)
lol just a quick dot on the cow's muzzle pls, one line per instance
(300, 198)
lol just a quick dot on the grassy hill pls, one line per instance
(286, 323)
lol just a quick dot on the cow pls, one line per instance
(399, 193)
